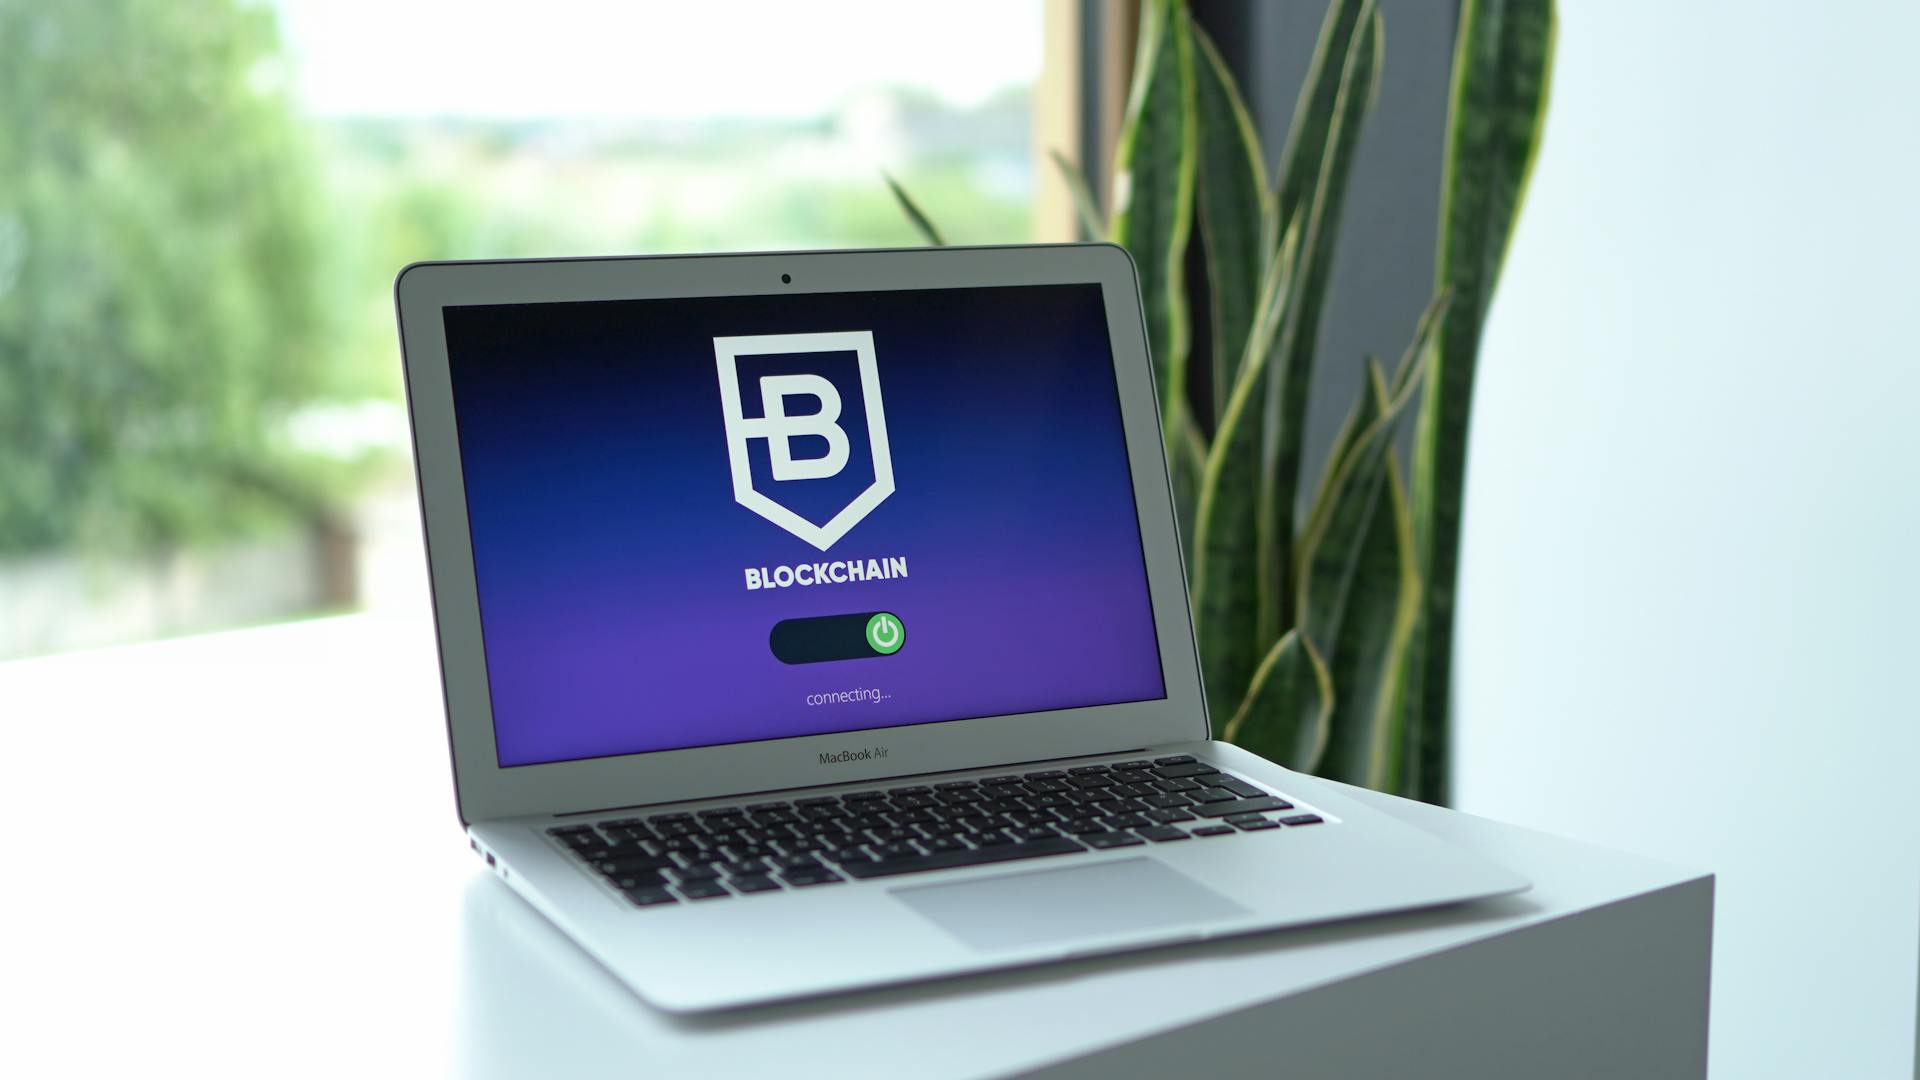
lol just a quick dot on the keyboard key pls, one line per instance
(633, 864)
(1088, 825)
(743, 868)
(818, 875)
(946, 860)
(683, 875)
(753, 883)
(1033, 832)
(1211, 795)
(703, 890)
(1130, 766)
(1241, 806)
(1160, 834)
(1177, 759)
(1186, 768)
(1089, 770)
(1235, 819)
(1124, 821)
(1239, 787)
(818, 800)
(1178, 785)
(1168, 801)
(957, 785)
(1102, 840)
(650, 897)
(1302, 819)
(1256, 826)
(1213, 830)
(999, 781)
(759, 807)
(1168, 817)
(652, 879)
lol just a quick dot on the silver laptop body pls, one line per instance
(814, 621)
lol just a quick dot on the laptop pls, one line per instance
(814, 621)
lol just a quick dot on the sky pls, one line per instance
(686, 60)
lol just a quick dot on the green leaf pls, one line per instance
(1366, 661)
(1358, 589)
(1353, 468)
(1292, 367)
(1366, 409)
(1153, 195)
(1187, 463)
(1226, 527)
(1306, 142)
(1502, 64)
(1236, 222)
(1082, 192)
(919, 220)
(1284, 717)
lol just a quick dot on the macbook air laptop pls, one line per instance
(814, 621)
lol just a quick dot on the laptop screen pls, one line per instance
(720, 520)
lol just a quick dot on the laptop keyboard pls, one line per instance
(766, 847)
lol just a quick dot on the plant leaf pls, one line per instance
(1153, 195)
(1366, 409)
(1082, 192)
(1226, 521)
(1366, 662)
(1236, 221)
(1356, 591)
(1292, 368)
(1285, 714)
(1374, 423)
(1502, 64)
(1306, 141)
(915, 215)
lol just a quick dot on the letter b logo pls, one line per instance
(780, 428)
(821, 406)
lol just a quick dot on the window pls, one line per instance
(204, 206)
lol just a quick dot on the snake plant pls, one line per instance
(1325, 638)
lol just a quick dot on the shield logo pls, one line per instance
(796, 386)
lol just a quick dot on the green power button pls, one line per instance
(885, 634)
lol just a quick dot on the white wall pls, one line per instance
(1691, 620)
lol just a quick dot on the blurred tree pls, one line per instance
(160, 315)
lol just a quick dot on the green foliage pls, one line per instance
(1307, 635)
(159, 312)
(1502, 64)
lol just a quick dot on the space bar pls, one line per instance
(947, 860)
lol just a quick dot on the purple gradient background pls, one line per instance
(609, 550)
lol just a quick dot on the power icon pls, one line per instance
(885, 635)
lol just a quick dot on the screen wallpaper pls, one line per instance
(718, 520)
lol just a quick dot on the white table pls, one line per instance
(238, 855)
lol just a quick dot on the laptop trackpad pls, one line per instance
(1039, 906)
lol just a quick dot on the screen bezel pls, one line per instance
(487, 791)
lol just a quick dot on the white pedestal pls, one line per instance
(288, 893)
